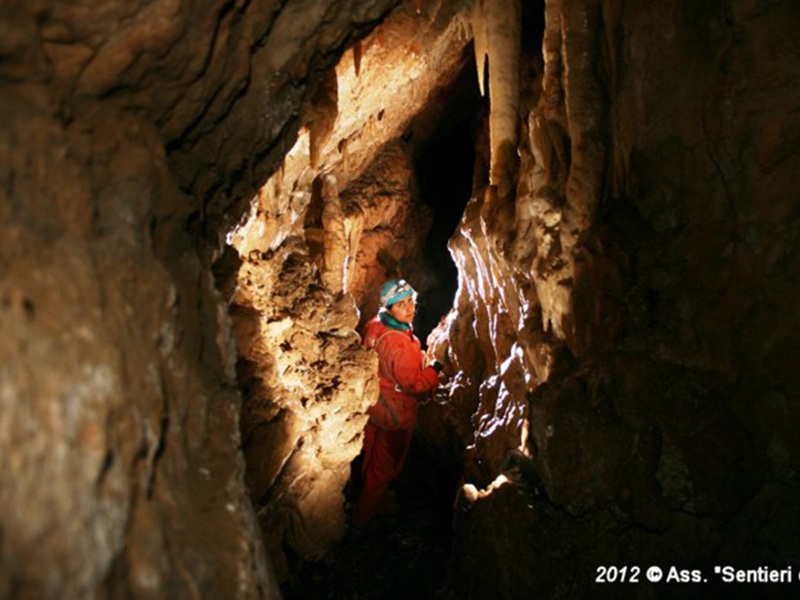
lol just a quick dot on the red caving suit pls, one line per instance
(404, 380)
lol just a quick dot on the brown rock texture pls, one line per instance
(128, 131)
(198, 201)
(307, 378)
(634, 306)
(308, 384)
(119, 407)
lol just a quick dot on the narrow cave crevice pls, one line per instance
(444, 163)
(363, 199)
(623, 334)
(408, 552)
(404, 553)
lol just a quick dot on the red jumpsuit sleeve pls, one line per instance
(404, 361)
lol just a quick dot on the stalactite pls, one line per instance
(342, 226)
(479, 35)
(357, 53)
(353, 228)
(322, 116)
(496, 28)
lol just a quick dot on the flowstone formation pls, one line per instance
(625, 320)
(307, 379)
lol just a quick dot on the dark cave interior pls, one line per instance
(196, 219)
(444, 164)
(405, 552)
(447, 139)
(402, 553)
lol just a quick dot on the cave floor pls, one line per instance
(399, 555)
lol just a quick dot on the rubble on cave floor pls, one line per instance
(399, 555)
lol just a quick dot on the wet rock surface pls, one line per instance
(627, 359)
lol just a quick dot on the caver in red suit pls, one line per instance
(404, 381)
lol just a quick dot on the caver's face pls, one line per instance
(404, 310)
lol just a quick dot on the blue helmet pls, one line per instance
(395, 290)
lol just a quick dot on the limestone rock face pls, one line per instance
(308, 381)
(119, 407)
(633, 307)
(311, 267)
(339, 217)
(128, 131)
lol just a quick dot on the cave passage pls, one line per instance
(377, 181)
(444, 167)
(444, 172)
(404, 552)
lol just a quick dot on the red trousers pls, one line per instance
(385, 452)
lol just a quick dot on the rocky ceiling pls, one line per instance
(198, 199)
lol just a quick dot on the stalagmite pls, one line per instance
(496, 27)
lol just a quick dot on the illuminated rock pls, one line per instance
(196, 207)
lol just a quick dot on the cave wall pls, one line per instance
(122, 473)
(634, 305)
(131, 133)
(138, 137)
(627, 322)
